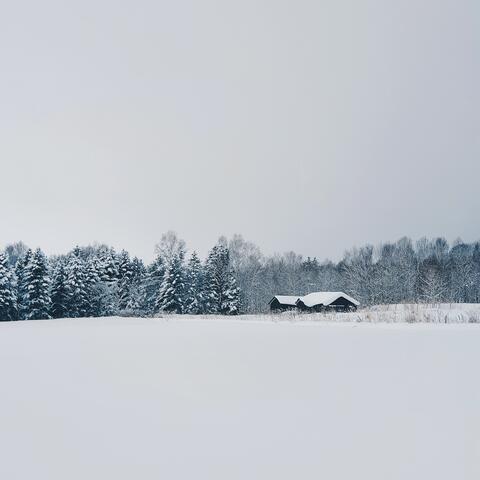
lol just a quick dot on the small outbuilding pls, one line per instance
(325, 301)
(283, 303)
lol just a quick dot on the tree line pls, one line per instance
(97, 281)
(235, 277)
(428, 271)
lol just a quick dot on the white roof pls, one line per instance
(325, 298)
(287, 299)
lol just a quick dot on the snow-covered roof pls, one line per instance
(325, 298)
(286, 299)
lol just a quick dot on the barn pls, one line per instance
(327, 301)
(282, 303)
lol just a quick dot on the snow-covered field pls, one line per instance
(197, 398)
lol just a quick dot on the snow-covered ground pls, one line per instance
(180, 398)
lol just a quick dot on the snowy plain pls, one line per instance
(247, 398)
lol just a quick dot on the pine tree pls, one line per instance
(231, 296)
(108, 264)
(125, 277)
(107, 299)
(171, 297)
(195, 296)
(101, 289)
(214, 279)
(136, 291)
(151, 285)
(223, 295)
(8, 303)
(20, 274)
(92, 280)
(59, 292)
(76, 285)
(138, 269)
(37, 301)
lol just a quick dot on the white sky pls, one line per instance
(305, 125)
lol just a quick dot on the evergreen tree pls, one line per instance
(151, 285)
(138, 269)
(101, 286)
(195, 296)
(92, 280)
(8, 303)
(106, 296)
(125, 278)
(37, 300)
(231, 296)
(22, 291)
(223, 295)
(76, 285)
(136, 291)
(171, 297)
(59, 292)
(107, 264)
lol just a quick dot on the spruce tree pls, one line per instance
(76, 285)
(107, 264)
(101, 288)
(91, 287)
(8, 303)
(20, 274)
(59, 292)
(195, 295)
(125, 277)
(138, 269)
(171, 297)
(231, 297)
(151, 285)
(222, 293)
(213, 280)
(37, 300)
(136, 291)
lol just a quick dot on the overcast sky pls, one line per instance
(304, 125)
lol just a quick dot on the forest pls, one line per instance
(235, 277)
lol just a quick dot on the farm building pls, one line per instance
(324, 301)
(283, 303)
(315, 302)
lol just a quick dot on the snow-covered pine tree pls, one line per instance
(151, 285)
(222, 293)
(136, 292)
(20, 274)
(108, 264)
(59, 292)
(125, 277)
(231, 296)
(91, 286)
(171, 297)
(106, 299)
(37, 300)
(76, 285)
(8, 302)
(195, 295)
(214, 279)
(138, 269)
